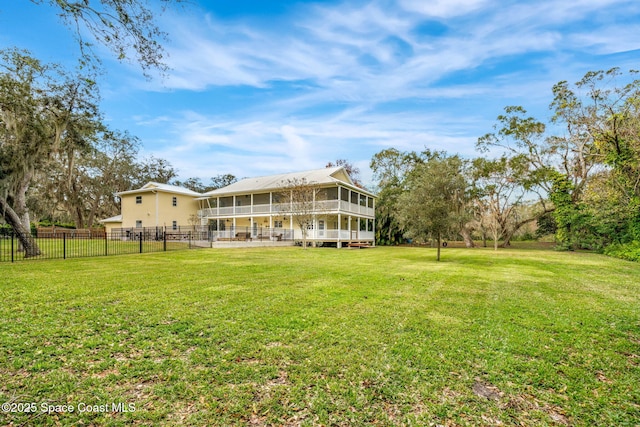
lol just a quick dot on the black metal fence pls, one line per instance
(207, 233)
(134, 241)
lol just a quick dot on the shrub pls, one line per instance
(628, 251)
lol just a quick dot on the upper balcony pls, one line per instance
(324, 207)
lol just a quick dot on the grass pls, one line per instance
(285, 336)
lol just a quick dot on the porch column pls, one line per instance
(270, 214)
(251, 223)
(374, 221)
(314, 229)
(349, 223)
(233, 201)
(339, 244)
(293, 233)
(217, 206)
(358, 228)
(374, 231)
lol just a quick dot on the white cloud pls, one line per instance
(443, 8)
(255, 146)
(369, 53)
(345, 80)
(297, 147)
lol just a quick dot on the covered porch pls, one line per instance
(336, 229)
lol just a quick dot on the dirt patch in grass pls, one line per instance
(526, 404)
(486, 390)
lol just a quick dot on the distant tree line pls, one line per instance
(577, 176)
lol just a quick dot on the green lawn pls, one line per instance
(285, 336)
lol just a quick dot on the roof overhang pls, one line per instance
(117, 218)
(273, 183)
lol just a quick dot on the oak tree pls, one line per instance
(430, 206)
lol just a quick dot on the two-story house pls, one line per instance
(255, 209)
(342, 212)
(155, 205)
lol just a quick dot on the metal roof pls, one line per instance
(276, 182)
(156, 186)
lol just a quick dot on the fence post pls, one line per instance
(64, 245)
(106, 242)
(164, 239)
(141, 242)
(13, 235)
(189, 239)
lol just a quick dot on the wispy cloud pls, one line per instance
(206, 146)
(443, 8)
(374, 50)
(345, 80)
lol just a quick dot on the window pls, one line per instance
(138, 200)
(277, 224)
(138, 223)
(174, 225)
(174, 201)
(344, 194)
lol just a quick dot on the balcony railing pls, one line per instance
(322, 207)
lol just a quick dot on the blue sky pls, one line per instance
(261, 87)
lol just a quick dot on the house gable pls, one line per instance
(342, 175)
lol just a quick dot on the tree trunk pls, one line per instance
(439, 243)
(466, 236)
(92, 212)
(20, 201)
(509, 234)
(27, 241)
(79, 217)
(20, 206)
(78, 206)
(506, 242)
